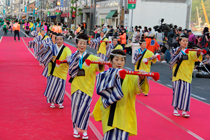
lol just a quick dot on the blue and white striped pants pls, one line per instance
(181, 95)
(116, 134)
(80, 109)
(55, 90)
(45, 71)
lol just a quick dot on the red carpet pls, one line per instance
(25, 114)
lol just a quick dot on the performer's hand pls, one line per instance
(101, 60)
(141, 77)
(91, 115)
(41, 46)
(153, 57)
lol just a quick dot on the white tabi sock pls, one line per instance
(176, 111)
(75, 131)
(183, 112)
(85, 133)
(60, 104)
(52, 104)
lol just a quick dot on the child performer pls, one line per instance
(36, 42)
(182, 65)
(114, 46)
(44, 44)
(82, 85)
(101, 47)
(118, 117)
(36, 32)
(32, 44)
(56, 80)
(141, 54)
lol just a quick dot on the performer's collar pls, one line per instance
(59, 47)
(82, 54)
(143, 49)
(115, 45)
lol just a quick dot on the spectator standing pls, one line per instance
(111, 31)
(27, 29)
(16, 29)
(123, 38)
(137, 38)
(192, 37)
(205, 37)
(128, 47)
(116, 33)
(134, 35)
(159, 37)
(150, 30)
(151, 43)
(5, 27)
(104, 29)
(186, 32)
(145, 29)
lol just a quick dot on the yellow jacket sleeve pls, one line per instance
(97, 110)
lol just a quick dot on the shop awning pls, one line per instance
(53, 16)
(110, 15)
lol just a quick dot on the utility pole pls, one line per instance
(28, 10)
(120, 11)
(41, 10)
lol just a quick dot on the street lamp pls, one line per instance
(36, 9)
(58, 3)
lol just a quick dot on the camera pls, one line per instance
(163, 27)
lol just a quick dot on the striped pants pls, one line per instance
(45, 71)
(102, 56)
(80, 109)
(181, 95)
(116, 134)
(55, 90)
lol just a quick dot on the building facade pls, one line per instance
(149, 12)
(108, 12)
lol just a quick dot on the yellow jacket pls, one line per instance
(125, 113)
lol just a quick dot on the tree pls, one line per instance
(37, 20)
(74, 7)
(197, 3)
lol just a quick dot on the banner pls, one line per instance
(25, 8)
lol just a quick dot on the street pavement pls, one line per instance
(200, 87)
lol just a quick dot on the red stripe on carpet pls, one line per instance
(25, 115)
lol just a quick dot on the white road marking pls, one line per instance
(201, 98)
(169, 85)
(24, 33)
(27, 47)
(170, 120)
(196, 96)
(1, 39)
(158, 81)
(128, 68)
